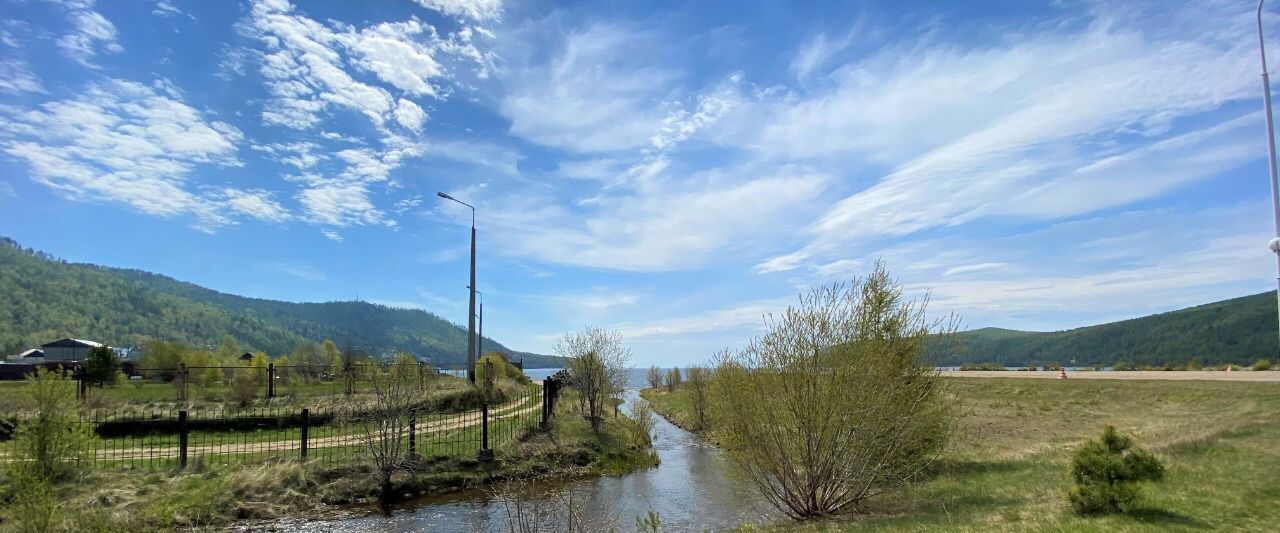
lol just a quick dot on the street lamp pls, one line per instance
(471, 316)
(480, 334)
(1271, 146)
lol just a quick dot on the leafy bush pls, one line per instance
(969, 367)
(833, 403)
(1106, 473)
(1262, 364)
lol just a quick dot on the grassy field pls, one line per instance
(205, 498)
(1007, 466)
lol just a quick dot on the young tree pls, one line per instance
(832, 404)
(101, 366)
(160, 359)
(597, 368)
(46, 449)
(307, 357)
(697, 384)
(1106, 473)
(331, 358)
(655, 377)
(52, 440)
(228, 351)
(386, 425)
(258, 367)
(673, 379)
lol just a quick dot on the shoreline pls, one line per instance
(1251, 376)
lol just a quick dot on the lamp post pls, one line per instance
(471, 315)
(480, 333)
(1271, 147)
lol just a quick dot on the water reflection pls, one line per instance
(690, 489)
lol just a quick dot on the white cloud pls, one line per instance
(339, 203)
(1029, 127)
(409, 115)
(122, 141)
(16, 77)
(478, 10)
(662, 227)
(748, 316)
(91, 32)
(971, 269)
(257, 204)
(301, 155)
(306, 66)
(302, 271)
(165, 8)
(599, 92)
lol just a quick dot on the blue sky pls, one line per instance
(671, 170)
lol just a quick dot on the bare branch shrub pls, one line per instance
(698, 383)
(597, 368)
(654, 377)
(393, 397)
(833, 405)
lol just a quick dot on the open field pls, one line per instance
(1007, 466)
(1164, 375)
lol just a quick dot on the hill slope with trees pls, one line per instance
(1239, 330)
(43, 298)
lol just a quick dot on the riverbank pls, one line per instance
(1006, 468)
(217, 496)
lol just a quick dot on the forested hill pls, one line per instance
(1239, 330)
(43, 299)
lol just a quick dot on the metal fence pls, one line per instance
(333, 435)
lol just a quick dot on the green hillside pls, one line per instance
(1239, 330)
(43, 298)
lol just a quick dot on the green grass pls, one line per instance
(1007, 466)
(206, 497)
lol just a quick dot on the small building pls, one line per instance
(246, 357)
(34, 355)
(68, 349)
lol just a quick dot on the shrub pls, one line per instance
(597, 365)
(673, 379)
(833, 404)
(1124, 366)
(52, 441)
(655, 377)
(1262, 364)
(1106, 473)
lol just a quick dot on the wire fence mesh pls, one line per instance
(331, 429)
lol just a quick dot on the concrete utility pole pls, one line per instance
(471, 314)
(1271, 146)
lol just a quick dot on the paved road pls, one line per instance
(1172, 375)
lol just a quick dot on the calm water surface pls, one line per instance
(690, 489)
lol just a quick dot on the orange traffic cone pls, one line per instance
(1062, 373)
(1228, 368)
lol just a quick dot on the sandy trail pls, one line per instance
(452, 422)
(1170, 375)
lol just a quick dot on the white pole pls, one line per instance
(1271, 146)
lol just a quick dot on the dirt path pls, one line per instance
(1170, 375)
(450, 423)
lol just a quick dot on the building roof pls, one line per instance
(72, 343)
(34, 352)
(246, 356)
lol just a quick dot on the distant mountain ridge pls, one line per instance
(45, 298)
(1239, 330)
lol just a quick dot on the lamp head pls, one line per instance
(445, 196)
(1274, 245)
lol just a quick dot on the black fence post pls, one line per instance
(485, 453)
(182, 375)
(271, 380)
(306, 420)
(183, 434)
(413, 434)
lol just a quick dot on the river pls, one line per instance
(689, 490)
